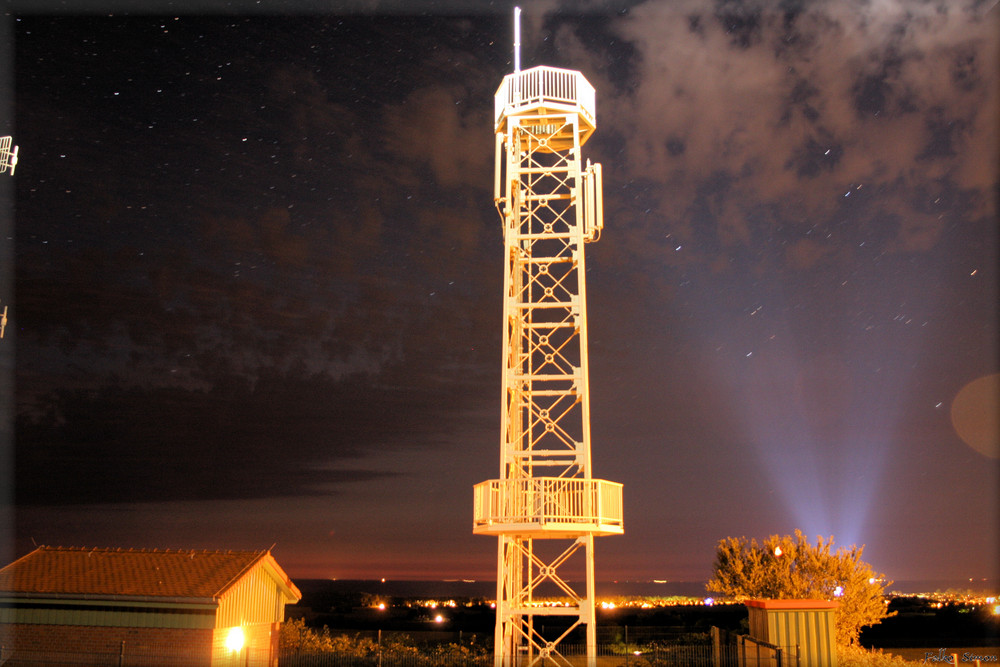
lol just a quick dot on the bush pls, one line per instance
(296, 637)
(855, 656)
(792, 568)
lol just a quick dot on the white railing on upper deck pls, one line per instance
(538, 85)
(548, 500)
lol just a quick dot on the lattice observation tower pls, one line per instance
(545, 508)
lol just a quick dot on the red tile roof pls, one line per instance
(102, 572)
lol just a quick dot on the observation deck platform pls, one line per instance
(547, 507)
(546, 91)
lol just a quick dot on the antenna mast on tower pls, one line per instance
(546, 508)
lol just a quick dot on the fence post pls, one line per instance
(121, 654)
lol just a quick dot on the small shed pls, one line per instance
(129, 607)
(806, 627)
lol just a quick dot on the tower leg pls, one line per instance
(589, 613)
(500, 638)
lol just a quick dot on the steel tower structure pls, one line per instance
(8, 155)
(546, 508)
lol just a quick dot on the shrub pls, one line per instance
(792, 568)
(856, 656)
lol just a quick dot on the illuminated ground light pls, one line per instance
(234, 640)
(825, 448)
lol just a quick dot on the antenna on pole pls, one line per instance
(517, 40)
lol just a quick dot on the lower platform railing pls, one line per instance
(548, 503)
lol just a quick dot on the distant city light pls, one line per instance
(439, 619)
(777, 552)
(838, 591)
(709, 602)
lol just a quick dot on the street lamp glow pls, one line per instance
(234, 640)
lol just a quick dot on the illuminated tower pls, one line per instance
(8, 160)
(546, 508)
(8, 155)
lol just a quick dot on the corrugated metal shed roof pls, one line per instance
(118, 572)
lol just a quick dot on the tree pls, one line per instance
(792, 568)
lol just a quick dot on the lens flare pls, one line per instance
(974, 415)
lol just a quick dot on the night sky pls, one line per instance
(253, 270)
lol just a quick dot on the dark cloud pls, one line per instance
(287, 434)
(741, 20)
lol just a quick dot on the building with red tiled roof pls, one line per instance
(130, 607)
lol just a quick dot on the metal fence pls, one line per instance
(689, 655)
(743, 653)
(753, 653)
